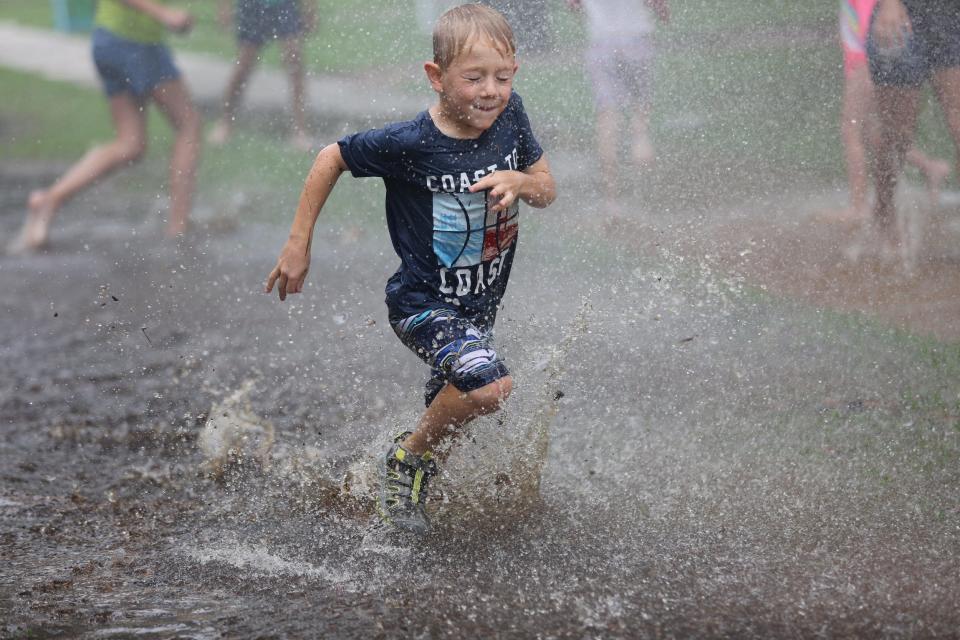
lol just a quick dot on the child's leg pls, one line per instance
(463, 359)
(129, 144)
(608, 136)
(898, 108)
(174, 101)
(946, 83)
(247, 57)
(643, 152)
(638, 70)
(856, 115)
(293, 61)
(935, 171)
(452, 409)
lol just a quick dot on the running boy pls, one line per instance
(453, 177)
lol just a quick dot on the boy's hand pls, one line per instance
(505, 187)
(177, 20)
(891, 25)
(291, 270)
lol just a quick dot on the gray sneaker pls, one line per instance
(404, 480)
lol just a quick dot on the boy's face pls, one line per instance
(475, 88)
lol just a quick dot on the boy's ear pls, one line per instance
(434, 75)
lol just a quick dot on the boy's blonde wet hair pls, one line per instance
(460, 26)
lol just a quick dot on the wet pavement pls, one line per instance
(722, 461)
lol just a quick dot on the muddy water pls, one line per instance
(717, 461)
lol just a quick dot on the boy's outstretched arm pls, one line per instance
(534, 185)
(174, 19)
(294, 262)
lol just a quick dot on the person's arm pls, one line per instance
(225, 13)
(534, 185)
(891, 26)
(308, 15)
(661, 8)
(177, 20)
(294, 262)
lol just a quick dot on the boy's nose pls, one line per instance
(489, 87)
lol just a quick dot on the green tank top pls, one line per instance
(128, 23)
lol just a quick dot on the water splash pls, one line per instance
(258, 560)
(495, 467)
(234, 437)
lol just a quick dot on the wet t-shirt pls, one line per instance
(454, 252)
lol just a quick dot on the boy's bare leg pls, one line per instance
(643, 152)
(293, 61)
(128, 146)
(452, 409)
(608, 125)
(855, 125)
(946, 84)
(897, 108)
(934, 171)
(247, 57)
(174, 101)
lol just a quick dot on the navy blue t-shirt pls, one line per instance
(454, 252)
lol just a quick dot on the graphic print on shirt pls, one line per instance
(466, 233)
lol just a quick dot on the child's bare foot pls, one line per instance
(852, 215)
(36, 228)
(220, 133)
(300, 141)
(936, 172)
(643, 153)
(889, 244)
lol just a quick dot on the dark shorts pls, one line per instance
(621, 71)
(131, 67)
(459, 350)
(934, 45)
(261, 20)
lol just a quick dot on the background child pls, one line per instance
(619, 62)
(858, 121)
(910, 43)
(135, 67)
(258, 23)
(453, 176)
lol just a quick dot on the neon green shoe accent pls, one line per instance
(404, 478)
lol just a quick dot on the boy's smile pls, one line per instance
(474, 89)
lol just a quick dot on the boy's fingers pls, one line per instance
(483, 183)
(271, 279)
(282, 288)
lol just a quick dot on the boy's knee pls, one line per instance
(132, 150)
(489, 397)
(191, 124)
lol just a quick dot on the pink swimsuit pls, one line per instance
(854, 25)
